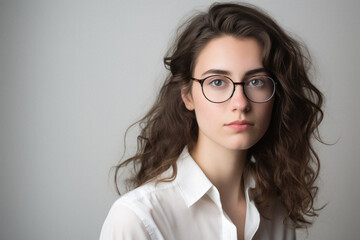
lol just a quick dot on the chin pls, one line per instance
(239, 147)
(241, 144)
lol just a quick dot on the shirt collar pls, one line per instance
(190, 178)
(249, 183)
(194, 184)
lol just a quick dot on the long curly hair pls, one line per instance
(286, 165)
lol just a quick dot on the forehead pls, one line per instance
(234, 55)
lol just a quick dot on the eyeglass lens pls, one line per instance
(220, 88)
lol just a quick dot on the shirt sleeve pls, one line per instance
(123, 224)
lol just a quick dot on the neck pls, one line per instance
(223, 167)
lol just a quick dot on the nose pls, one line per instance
(239, 101)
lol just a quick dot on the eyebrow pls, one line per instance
(224, 72)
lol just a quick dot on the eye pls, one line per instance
(217, 82)
(256, 82)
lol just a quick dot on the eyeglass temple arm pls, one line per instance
(197, 80)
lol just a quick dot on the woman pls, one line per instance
(225, 152)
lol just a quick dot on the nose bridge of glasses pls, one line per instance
(239, 83)
(242, 85)
(241, 90)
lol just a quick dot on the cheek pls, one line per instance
(265, 113)
(205, 111)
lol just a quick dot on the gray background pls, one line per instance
(75, 74)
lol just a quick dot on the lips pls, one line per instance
(240, 125)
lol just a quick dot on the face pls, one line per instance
(236, 124)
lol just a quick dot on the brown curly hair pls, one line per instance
(286, 165)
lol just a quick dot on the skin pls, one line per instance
(221, 150)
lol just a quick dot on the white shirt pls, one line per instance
(187, 208)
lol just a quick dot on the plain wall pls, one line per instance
(74, 74)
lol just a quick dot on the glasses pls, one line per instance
(219, 89)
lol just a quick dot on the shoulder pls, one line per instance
(122, 223)
(143, 212)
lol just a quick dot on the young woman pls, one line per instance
(225, 152)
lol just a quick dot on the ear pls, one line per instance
(187, 99)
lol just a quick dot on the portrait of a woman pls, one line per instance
(226, 150)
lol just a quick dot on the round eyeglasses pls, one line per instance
(219, 89)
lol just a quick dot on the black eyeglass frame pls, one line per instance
(201, 81)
